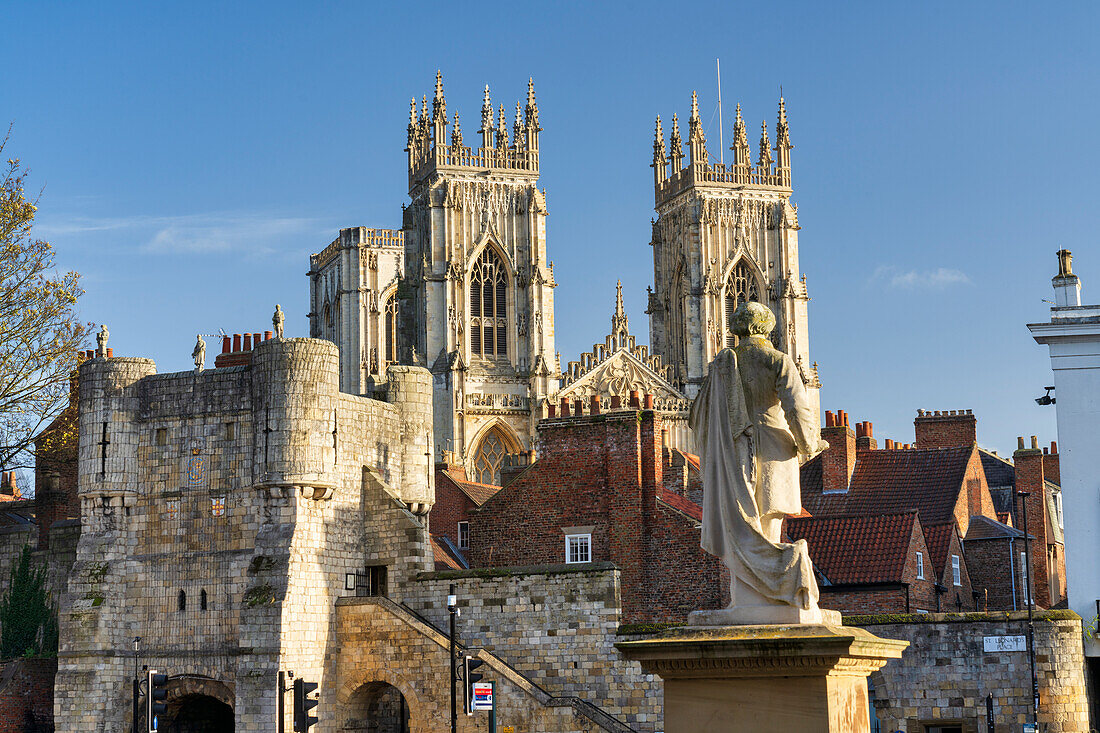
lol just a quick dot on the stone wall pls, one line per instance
(394, 663)
(554, 624)
(221, 514)
(946, 673)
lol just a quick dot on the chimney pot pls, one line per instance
(551, 410)
(634, 403)
(889, 444)
(226, 344)
(648, 401)
(616, 402)
(1034, 442)
(247, 342)
(255, 340)
(578, 406)
(110, 352)
(236, 342)
(830, 419)
(869, 429)
(565, 407)
(594, 404)
(1053, 448)
(1019, 442)
(268, 335)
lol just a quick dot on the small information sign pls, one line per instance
(1006, 644)
(1029, 728)
(508, 729)
(483, 696)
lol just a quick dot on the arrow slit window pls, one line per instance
(488, 306)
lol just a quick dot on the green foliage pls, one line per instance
(654, 628)
(1056, 614)
(28, 621)
(39, 331)
(261, 595)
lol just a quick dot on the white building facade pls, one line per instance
(1073, 337)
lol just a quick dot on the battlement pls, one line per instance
(429, 150)
(671, 176)
(358, 237)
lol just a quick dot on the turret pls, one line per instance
(696, 139)
(660, 160)
(783, 146)
(439, 115)
(502, 131)
(486, 121)
(764, 162)
(676, 147)
(531, 119)
(742, 155)
(517, 128)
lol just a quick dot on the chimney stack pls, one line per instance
(945, 429)
(838, 462)
(865, 436)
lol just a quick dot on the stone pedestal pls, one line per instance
(765, 679)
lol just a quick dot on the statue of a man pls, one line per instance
(752, 419)
(101, 341)
(199, 354)
(277, 321)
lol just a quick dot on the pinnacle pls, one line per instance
(694, 104)
(531, 91)
(439, 84)
(485, 102)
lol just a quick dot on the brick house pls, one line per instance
(946, 478)
(868, 564)
(600, 491)
(455, 497)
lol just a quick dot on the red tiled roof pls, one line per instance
(681, 504)
(892, 481)
(478, 493)
(857, 549)
(938, 539)
(444, 559)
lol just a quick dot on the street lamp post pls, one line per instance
(137, 683)
(452, 606)
(1028, 599)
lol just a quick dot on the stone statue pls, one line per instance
(751, 420)
(277, 321)
(199, 354)
(101, 340)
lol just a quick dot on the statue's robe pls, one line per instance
(750, 420)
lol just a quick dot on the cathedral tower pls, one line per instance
(724, 234)
(477, 302)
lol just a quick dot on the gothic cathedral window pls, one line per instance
(488, 306)
(489, 457)
(740, 288)
(389, 332)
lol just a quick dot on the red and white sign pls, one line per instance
(483, 696)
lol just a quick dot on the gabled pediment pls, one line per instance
(621, 373)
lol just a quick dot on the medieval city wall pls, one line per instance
(221, 513)
(555, 624)
(907, 698)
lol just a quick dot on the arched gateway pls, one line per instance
(377, 707)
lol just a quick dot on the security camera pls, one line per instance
(1046, 399)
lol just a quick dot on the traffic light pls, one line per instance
(469, 677)
(156, 693)
(303, 704)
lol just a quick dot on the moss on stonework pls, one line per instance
(259, 596)
(957, 618)
(260, 563)
(629, 629)
(96, 598)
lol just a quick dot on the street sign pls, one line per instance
(483, 696)
(1029, 728)
(508, 729)
(1005, 643)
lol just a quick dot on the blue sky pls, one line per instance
(191, 156)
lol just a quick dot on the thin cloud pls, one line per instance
(937, 279)
(253, 233)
